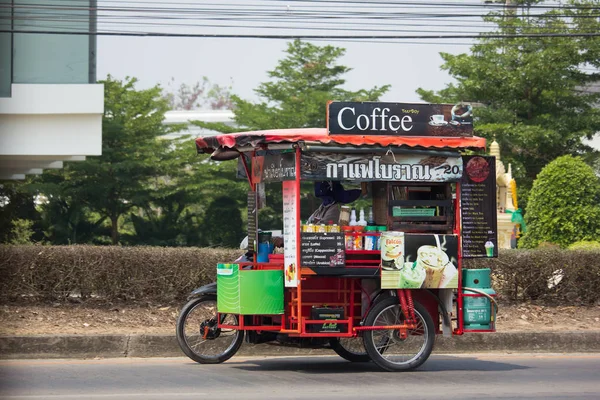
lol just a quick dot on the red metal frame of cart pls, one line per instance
(342, 291)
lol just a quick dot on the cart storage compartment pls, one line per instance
(249, 292)
(326, 313)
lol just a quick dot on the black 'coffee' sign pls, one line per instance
(402, 119)
(320, 249)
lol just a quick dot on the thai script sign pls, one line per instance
(408, 168)
(272, 167)
(402, 119)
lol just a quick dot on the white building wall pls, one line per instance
(50, 107)
(43, 125)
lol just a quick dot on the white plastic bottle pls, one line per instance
(353, 218)
(362, 221)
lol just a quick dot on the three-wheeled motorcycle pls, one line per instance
(376, 288)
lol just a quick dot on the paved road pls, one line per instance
(575, 376)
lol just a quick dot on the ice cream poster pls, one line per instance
(427, 261)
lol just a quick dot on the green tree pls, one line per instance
(295, 97)
(564, 206)
(300, 86)
(533, 90)
(22, 231)
(107, 187)
(16, 203)
(223, 223)
(199, 95)
(181, 190)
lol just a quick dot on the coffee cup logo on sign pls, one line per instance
(437, 119)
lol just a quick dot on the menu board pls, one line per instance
(252, 221)
(322, 249)
(290, 235)
(478, 207)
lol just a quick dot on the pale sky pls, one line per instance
(244, 62)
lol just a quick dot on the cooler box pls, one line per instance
(249, 292)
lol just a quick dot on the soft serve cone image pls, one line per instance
(433, 260)
(412, 276)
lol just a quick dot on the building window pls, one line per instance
(52, 58)
(5, 47)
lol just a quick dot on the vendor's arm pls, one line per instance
(324, 214)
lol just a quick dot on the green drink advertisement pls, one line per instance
(427, 261)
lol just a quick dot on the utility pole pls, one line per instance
(92, 42)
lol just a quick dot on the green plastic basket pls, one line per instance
(413, 212)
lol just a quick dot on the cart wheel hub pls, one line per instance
(209, 330)
(400, 335)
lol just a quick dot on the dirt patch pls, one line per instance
(66, 318)
(87, 319)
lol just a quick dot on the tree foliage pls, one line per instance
(16, 204)
(200, 95)
(564, 206)
(533, 91)
(295, 97)
(223, 223)
(107, 187)
(300, 86)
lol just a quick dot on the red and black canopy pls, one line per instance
(257, 139)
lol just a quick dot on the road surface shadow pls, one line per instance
(331, 365)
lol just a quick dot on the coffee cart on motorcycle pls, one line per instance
(379, 293)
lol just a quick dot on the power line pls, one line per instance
(359, 3)
(237, 10)
(25, 23)
(305, 37)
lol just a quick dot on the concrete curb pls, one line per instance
(110, 346)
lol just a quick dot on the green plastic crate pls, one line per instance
(413, 212)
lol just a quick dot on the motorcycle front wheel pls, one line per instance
(199, 336)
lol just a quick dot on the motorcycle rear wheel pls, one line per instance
(387, 348)
(200, 338)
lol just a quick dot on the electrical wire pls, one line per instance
(323, 16)
(307, 37)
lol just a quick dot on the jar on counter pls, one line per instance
(344, 216)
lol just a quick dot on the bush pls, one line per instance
(157, 274)
(563, 206)
(550, 274)
(110, 273)
(585, 245)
